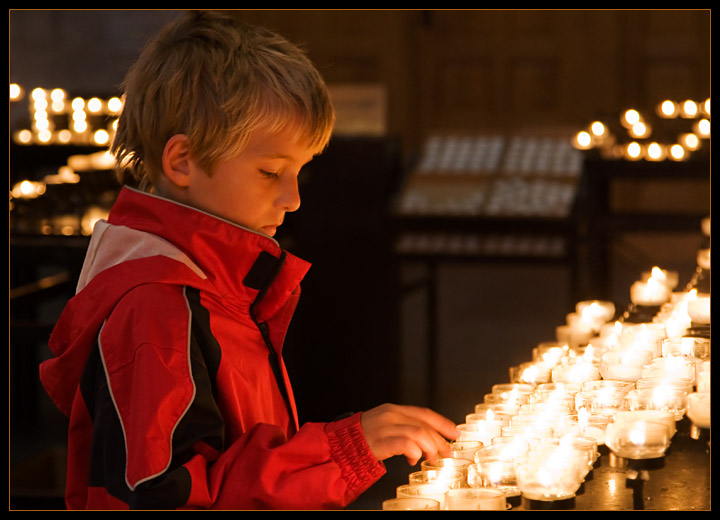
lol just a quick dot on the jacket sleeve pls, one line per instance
(176, 454)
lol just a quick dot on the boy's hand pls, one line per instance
(407, 430)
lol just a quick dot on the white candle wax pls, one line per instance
(668, 278)
(699, 409)
(699, 310)
(649, 293)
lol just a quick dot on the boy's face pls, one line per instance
(256, 188)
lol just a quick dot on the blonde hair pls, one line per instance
(217, 80)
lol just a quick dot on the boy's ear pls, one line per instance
(176, 160)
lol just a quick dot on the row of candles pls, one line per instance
(58, 118)
(604, 385)
(638, 145)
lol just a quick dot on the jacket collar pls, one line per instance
(238, 262)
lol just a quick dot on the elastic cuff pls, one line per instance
(350, 451)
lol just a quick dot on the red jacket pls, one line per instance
(168, 364)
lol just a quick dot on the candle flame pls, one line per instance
(658, 274)
(490, 415)
(637, 436)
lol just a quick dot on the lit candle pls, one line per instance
(699, 310)
(667, 277)
(650, 292)
(638, 439)
(699, 409)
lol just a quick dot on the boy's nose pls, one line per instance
(289, 198)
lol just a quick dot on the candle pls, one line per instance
(703, 377)
(624, 365)
(447, 465)
(410, 504)
(699, 409)
(652, 416)
(607, 401)
(699, 310)
(663, 397)
(698, 348)
(446, 477)
(602, 311)
(530, 373)
(552, 473)
(575, 373)
(465, 449)
(482, 430)
(671, 367)
(638, 439)
(649, 293)
(668, 278)
(475, 499)
(431, 490)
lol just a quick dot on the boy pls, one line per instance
(169, 356)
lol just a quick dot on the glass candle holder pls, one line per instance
(649, 293)
(638, 439)
(650, 382)
(665, 276)
(606, 401)
(475, 499)
(488, 416)
(429, 490)
(703, 377)
(624, 364)
(662, 397)
(495, 474)
(410, 504)
(443, 477)
(575, 373)
(530, 373)
(465, 449)
(552, 473)
(658, 416)
(600, 310)
(447, 464)
(671, 367)
(497, 409)
(608, 383)
(482, 431)
(494, 467)
(699, 409)
(550, 353)
(548, 390)
(698, 348)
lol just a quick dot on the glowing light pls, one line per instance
(668, 109)
(101, 137)
(583, 140)
(631, 117)
(94, 105)
(38, 93)
(655, 152)
(703, 128)
(78, 103)
(690, 141)
(114, 105)
(633, 150)
(637, 436)
(639, 130)
(16, 92)
(677, 152)
(597, 128)
(689, 109)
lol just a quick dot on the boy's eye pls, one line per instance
(269, 175)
